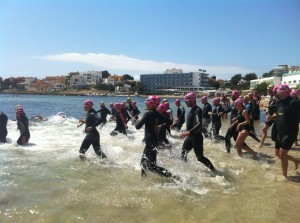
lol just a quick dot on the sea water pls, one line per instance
(45, 181)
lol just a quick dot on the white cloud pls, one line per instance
(137, 66)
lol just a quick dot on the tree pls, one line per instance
(250, 76)
(105, 74)
(268, 74)
(262, 88)
(235, 80)
(127, 77)
(137, 87)
(105, 87)
(6, 84)
(213, 83)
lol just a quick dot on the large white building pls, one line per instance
(80, 79)
(269, 80)
(291, 78)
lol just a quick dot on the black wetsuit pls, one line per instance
(121, 119)
(206, 119)
(287, 122)
(252, 113)
(180, 117)
(242, 119)
(271, 110)
(162, 132)
(113, 112)
(135, 113)
(3, 129)
(92, 137)
(23, 126)
(216, 122)
(230, 131)
(195, 138)
(103, 113)
(148, 161)
(170, 111)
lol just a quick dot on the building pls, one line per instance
(82, 79)
(291, 78)
(172, 81)
(269, 80)
(109, 80)
(283, 74)
(91, 77)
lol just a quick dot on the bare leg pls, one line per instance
(240, 140)
(264, 135)
(248, 149)
(284, 161)
(283, 152)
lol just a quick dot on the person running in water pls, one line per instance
(149, 120)
(225, 102)
(134, 113)
(286, 124)
(180, 118)
(92, 136)
(231, 132)
(193, 136)
(170, 112)
(241, 124)
(216, 116)
(205, 116)
(113, 112)
(122, 118)
(23, 126)
(268, 122)
(162, 125)
(103, 113)
(233, 112)
(3, 129)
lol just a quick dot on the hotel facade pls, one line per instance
(175, 80)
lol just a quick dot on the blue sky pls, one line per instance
(41, 38)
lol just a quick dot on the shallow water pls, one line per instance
(45, 181)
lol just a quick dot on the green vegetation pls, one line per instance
(262, 88)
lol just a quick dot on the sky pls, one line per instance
(40, 38)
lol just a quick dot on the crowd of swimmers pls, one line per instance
(158, 121)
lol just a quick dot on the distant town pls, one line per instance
(171, 82)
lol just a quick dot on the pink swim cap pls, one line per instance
(239, 101)
(20, 110)
(161, 108)
(294, 93)
(190, 97)
(151, 102)
(235, 94)
(118, 105)
(217, 100)
(88, 104)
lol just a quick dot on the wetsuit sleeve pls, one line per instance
(107, 111)
(228, 110)
(142, 121)
(167, 119)
(182, 112)
(197, 122)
